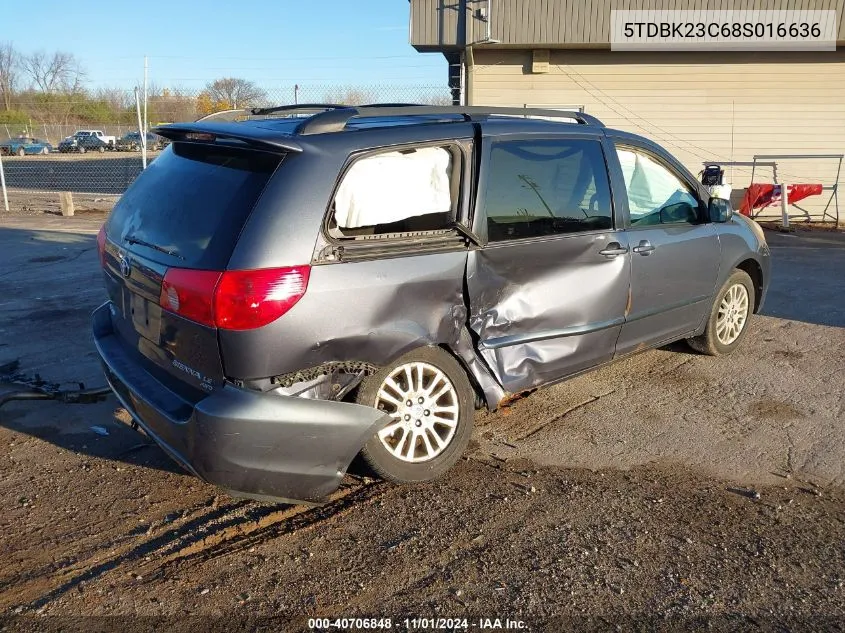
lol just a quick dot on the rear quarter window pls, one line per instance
(397, 192)
(193, 200)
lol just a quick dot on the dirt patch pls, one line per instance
(543, 545)
(788, 354)
(768, 409)
(58, 314)
(47, 203)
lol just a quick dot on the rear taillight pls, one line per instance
(247, 299)
(190, 293)
(101, 245)
(235, 299)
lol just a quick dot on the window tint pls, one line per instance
(546, 187)
(395, 192)
(193, 200)
(655, 194)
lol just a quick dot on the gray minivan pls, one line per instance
(288, 291)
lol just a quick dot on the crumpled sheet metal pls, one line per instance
(369, 312)
(555, 311)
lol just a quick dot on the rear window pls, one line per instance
(193, 201)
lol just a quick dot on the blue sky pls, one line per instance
(275, 43)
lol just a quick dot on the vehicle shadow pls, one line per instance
(49, 286)
(95, 430)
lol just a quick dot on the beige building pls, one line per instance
(702, 105)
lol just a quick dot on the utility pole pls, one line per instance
(144, 131)
(141, 129)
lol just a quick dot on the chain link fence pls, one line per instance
(97, 178)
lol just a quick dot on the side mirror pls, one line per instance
(720, 210)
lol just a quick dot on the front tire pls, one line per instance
(727, 324)
(21, 151)
(430, 401)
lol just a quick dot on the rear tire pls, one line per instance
(426, 438)
(101, 149)
(21, 151)
(727, 324)
(81, 150)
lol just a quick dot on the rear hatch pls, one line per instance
(164, 249)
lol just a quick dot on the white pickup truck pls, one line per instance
(87, 140)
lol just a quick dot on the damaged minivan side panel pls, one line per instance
(545, 310)
(548, 293)
(365, 311)
(374, 301)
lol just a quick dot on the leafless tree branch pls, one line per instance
(9, 69)
(57, 73)
(237, 93)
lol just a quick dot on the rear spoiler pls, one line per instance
(200, 132)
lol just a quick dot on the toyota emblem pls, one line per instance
(125, 266)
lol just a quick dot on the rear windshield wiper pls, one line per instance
(136, 240)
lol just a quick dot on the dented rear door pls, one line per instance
(549, 289)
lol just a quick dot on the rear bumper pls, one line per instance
(247, 442)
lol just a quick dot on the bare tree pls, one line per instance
(235, 92)
(9, 68)
(59, 72)
(173, 104)
(116, 98)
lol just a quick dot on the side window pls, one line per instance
(655, 194)
(397, 192)
(546, 187)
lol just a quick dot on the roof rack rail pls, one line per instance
(336, 120)
(298, 107)
(398, 104)
(229, 115)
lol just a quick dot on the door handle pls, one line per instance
(613, 249)
(644, 248)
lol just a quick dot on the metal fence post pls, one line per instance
(784, 205)
(3, 186)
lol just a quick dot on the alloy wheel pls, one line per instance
(423, 405)
(733, 314)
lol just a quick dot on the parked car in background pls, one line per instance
(87, 141)
(23, 145)
(285, 294)
(131, 142)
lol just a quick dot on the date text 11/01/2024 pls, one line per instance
(416, 624)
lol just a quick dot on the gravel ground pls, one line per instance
(667, 492)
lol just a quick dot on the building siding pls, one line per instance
(699, 106)
(439, 24)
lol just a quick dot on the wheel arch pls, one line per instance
(753, 269)
(488, 391)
